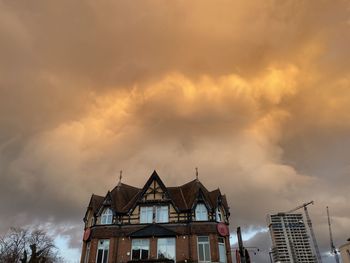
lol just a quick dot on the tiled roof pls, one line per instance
(177, 196)
(124, 197)
(95, 202)
(214, 197)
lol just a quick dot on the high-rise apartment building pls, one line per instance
(290, 239)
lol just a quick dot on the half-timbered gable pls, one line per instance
(156, 203)
(154, 190)
(157, 221)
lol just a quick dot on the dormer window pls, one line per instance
(107, 217)
(219, 215)
(201, 213)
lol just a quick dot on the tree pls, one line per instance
(28, 246)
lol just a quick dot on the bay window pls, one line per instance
(140, 249)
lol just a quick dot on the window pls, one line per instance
(162, 214)
(102, 251)
(201, 213)
(140, 249)
(166, 248)
(107, 217)
(87, 253)
(222, 250)
(203, 249)
(218, 215)
(146, 214)
(159, 213)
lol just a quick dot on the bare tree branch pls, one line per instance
(15, 245)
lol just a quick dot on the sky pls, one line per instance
(253, 93)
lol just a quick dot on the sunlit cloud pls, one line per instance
(253, 93)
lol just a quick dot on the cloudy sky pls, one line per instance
(254, 93)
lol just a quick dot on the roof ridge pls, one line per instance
(215, 190)
(183, 197)
(98, 195)
(132, 199)
(124, 185)
(131, 186)
(202, 186)
(188, 183)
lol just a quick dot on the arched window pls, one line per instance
(107, 217)
(201, 213)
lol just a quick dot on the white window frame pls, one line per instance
(204, 244)
(103, 244)
(222, 257)
(107, 217)
(201, 212)
(162, 214)
(219, 215)
(144, 242)
(87, 252)
(146, 214)
(157, 214)
(167, 245)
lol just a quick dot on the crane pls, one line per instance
(309, 223)
(300, 206)
(333, 249)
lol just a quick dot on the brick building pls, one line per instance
(157, 224)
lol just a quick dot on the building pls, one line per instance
(345, 252)
(290, 240)
(156, 223)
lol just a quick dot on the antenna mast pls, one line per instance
(120, 177)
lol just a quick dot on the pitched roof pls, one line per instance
(191, 191)
(184, 196)
(177, 196)
(214, 197)
(124, 197)
(95, 202)
(224, 202)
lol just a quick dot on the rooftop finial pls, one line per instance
(120, 176)
(196, 173)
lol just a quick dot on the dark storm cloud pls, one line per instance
(255, 93)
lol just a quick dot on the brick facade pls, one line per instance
(126, 226)
(120, 249)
